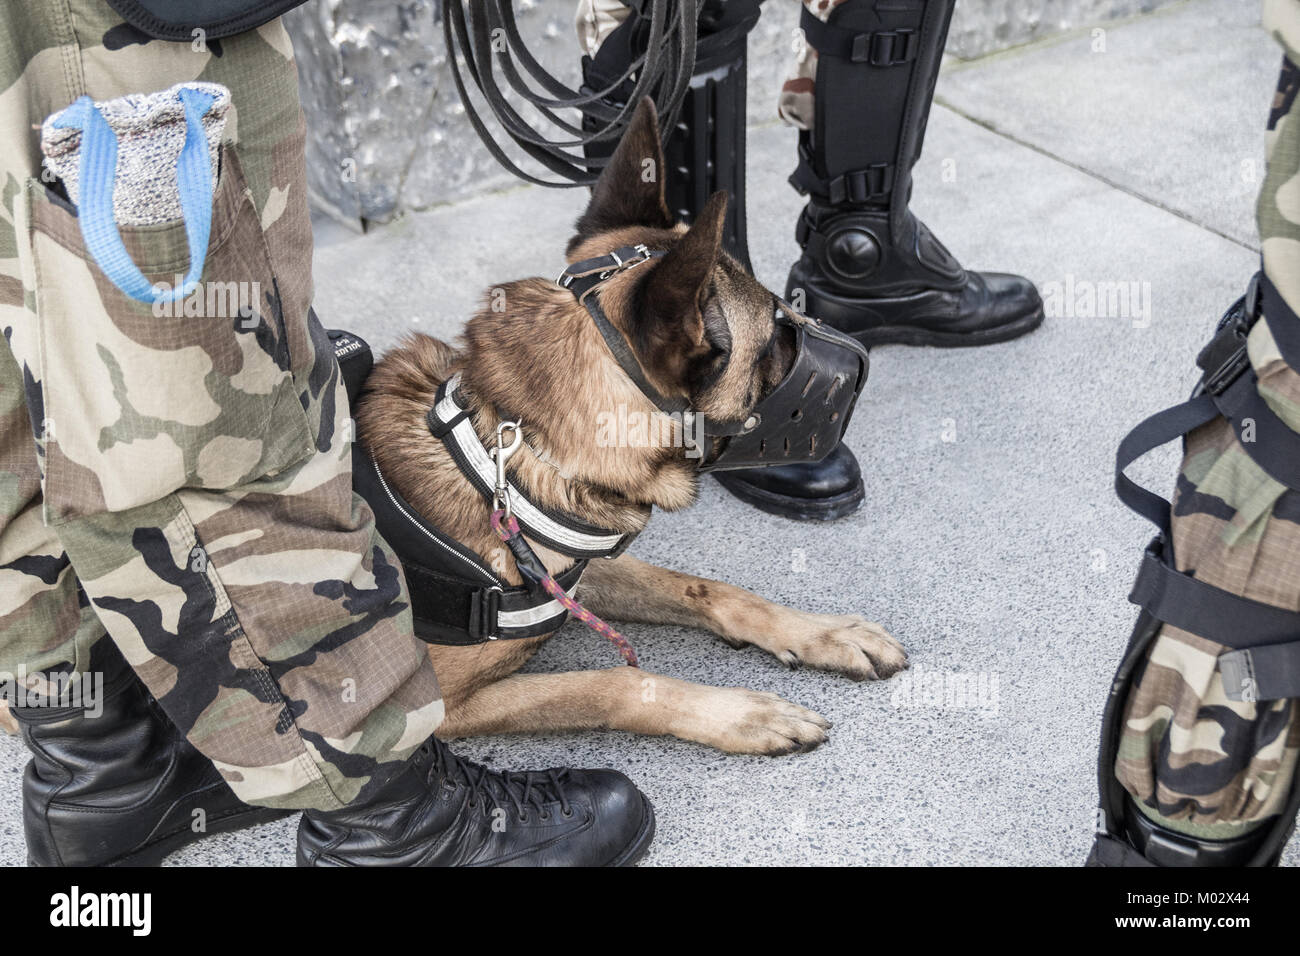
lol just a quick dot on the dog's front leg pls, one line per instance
(627, 589)
(626, 698)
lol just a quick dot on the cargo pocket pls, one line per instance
(143, 398)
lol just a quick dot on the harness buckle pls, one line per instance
(887, 48)
(1218, 381)
(483, 614)
(1225, 358)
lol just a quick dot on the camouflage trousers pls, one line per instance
(182, 483)
(1195, 761)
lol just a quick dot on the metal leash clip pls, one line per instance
(501, 454)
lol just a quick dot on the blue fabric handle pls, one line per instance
(98, 172)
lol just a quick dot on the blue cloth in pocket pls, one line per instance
(98, 175)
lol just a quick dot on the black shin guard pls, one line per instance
(869, 267)
(705, 149)
(876, 70)
(875, 79)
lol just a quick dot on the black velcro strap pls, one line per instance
(1267, 439)
(1152, 432)
(448, 610)
(873, 183)
(1268, 672)
(878, 48)
(1199, 608)
(452, 611)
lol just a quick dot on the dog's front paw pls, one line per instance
(742, 721)
(843, 643)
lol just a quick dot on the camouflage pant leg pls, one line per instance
(195, 468)
(46, 623)
(1195, 760)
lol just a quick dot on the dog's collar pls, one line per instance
(449, 421)
(585, 277)
(582, 278)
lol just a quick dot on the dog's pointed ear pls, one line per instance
(630, 190)
(680, 283)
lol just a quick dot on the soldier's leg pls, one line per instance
(110, 780)
(195, 469)
(1203, 766)
(870, 267)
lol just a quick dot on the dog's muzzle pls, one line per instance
(805, 416)
(801, 420)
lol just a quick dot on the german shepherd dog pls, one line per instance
(702, 328)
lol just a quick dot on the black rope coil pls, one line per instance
(662, 72)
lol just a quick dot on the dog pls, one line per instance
(703, 328)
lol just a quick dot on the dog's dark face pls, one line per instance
(701, 325)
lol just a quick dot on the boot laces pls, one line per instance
(498, 788)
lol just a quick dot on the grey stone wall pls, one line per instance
(387, 132)
(980, 27)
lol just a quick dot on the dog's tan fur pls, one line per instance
(703, 329)
(7, 722)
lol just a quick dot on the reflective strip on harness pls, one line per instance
(468, 451)
(527, 617)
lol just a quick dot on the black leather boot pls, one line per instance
(814, 491)
(705, 152)
(120, 788)
(442, 810)
(869, 267)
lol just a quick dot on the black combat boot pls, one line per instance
(705, 152)
(112, 782)
(869, 267)
(442, 810)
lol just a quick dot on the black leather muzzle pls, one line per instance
(805, 416)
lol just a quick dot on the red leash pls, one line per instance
(507, 529)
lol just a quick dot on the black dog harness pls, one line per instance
(1264, 660)
(457, 598)
(450, 422)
